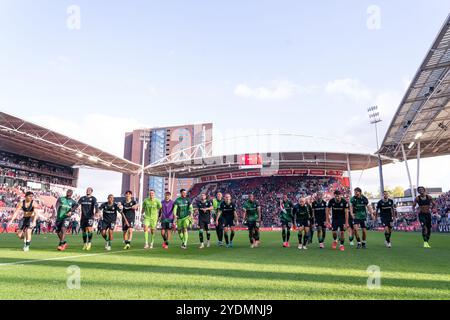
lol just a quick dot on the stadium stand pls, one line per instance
(16, 169)
(46, 200)
(268, 191)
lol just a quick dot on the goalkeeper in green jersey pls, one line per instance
(217, 201)
(184, 212)
(150, 209)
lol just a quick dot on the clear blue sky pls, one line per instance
(298, 66)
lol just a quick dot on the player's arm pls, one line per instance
(282, 206)
(294, 216)
(100, 211)
(219, 213)
(259, 213)
(310, 212)
(346, 217)
(175, 213)
(191, 211)
(414, 206)
(378, 210)
(236, 216)
(120, 210)
(35, 215)
(58, 205)
(327, 214)
(350, 211)
(433, 205)
(78, 203)
(73, 208)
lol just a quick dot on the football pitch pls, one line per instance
(408, 271)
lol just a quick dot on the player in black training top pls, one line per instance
(89, 208)
(227, 211)
(386, 210)
(128, 218)
(204, 208)
(426, 205)
(337, 209)
(302, 214)
(109, 210)
(319, 207)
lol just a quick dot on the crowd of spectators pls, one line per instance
(269, 190)
(27, 169)
(10, 197)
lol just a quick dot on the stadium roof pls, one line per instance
(424, 112)
(195, 167)
(25, 138)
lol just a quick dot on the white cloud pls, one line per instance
(281, 90)
(102, 131)
(61, 63)
(351, 88)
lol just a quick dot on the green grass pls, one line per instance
(268, 272)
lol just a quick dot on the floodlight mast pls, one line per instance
(145, 138)
(374, 116)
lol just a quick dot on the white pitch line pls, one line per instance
(64, 258)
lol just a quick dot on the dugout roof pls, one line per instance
(28, 139)
(424, 112)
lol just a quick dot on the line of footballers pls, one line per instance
(338, 214)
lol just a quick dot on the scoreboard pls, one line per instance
(250, 161)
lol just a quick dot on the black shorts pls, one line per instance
(303, 223)
(105, 225)
(286, 224)
(62, 224)
(320, 223)
(87, 223)
(338, 224)
(360, 222)
(131, 218)
(252, 225)
(221, 221)
(167, 225)
(351, 222)
(125, 227)
(228, 222)
(425, 220)
(203, 224)
(25, 224)
(386, 221)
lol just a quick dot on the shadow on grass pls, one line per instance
(187, 272)
(150, 289)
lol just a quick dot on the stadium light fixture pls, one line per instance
(93, 159)
(411, 145)
(79, 155)
(418, 135)
(374, 116)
